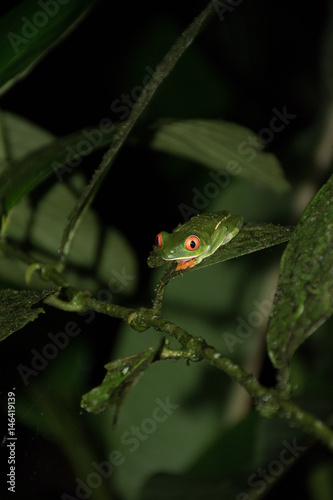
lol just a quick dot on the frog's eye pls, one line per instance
(192, 243)
(158, 240)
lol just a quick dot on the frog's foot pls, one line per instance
(184, 264)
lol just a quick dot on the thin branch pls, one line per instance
(269, 402)
(162, 71)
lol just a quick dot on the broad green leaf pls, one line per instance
(16, 309)
(222, 470)
(304, 297)
(121, 375)
(106, 269)
(37, 154)
(20, 137)
(251, 238)
(30, 30)
(221, 146)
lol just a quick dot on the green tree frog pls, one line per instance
(198, 238)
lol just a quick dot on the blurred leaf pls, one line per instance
(15, 309)
(221, 146)
(121, 375)
(30, 30)
(232, 465)
(251, 238)
(233, 452)
(36, 155)
(320, 480)
(19, 137)
(164, 486)
(173, 383)
(100, 254)
(304, 297)
(220, 471)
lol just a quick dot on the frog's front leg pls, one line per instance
(185, 264)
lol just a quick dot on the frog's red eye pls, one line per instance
(192, 243)
(158, 240)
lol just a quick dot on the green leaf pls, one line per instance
(221, 146)
(251, 238)
(304, 297)
(16, 309)
(121, 375)
(19, 137)
(30, 30)
(37, 154)
(101, 259)
(221, 471)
